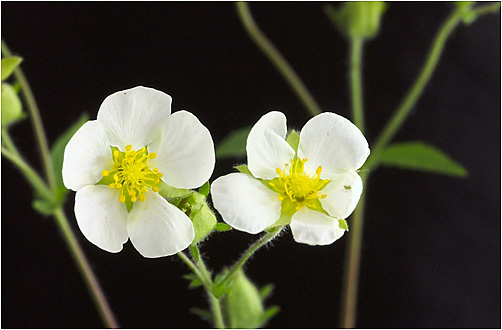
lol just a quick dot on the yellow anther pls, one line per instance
(323, 196)
(319, 170)
(278, 171)
(281, 198)
(132, 175)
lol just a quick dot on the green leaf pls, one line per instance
(9, 64)
(419, 156)
(57, 151)
(12, 109)
(234, 145)
(204, 190)
(220, 226)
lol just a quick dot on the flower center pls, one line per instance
(131, 174)
(294, 184)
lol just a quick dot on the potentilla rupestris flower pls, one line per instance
(117, 162)
(311, 184)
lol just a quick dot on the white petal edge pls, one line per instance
(101, 217)
(157, 228)
(86, 155)
(342, 194)
(132, 116)
(185, 151)
(333, 142)
(244, 203)
(314, 228)
(266, 148)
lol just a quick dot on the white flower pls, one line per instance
(116, 163)
(311, 188)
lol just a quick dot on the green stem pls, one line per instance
(83, 265)
(416, 90)
(353, 257)
(252, 249)
(356, 53)
(33, 178)
(36, 121)
(192, 266)
(215, 302)
(486, 9)
(9, 144)
(277, 59)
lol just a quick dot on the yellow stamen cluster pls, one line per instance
(294, 184)
(132, 175)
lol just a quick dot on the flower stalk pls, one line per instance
(277, 59)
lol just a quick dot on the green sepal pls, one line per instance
(195, 252)
(58, 147)
(419, 156)
(343, 224)
(293, 140)
(204, 190)
(45, 206)
(221, 226)
(202, 313)
(12, 108)
(9, 64)
(266, 291)
(234, 144)
(168, 191)
(243, 169)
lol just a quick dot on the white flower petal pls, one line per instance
(342, 194)
(245, 203)
(333, 142)
(157, 228)
(132, 116)
(266, 148)
(314, 228)
(185, 151)
(86, 155)
(101, 217)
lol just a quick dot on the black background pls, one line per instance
(431, 253)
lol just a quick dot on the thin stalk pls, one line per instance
(192, 266)
(8, 143)
(356, 54)
(416, 90)
(36, 121)
(83, 265)
(351, 276)
(353, 257)
(277, 59)
(252, 249)
(33, 178)
(214, 302)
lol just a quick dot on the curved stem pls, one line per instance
(252, 249)
(416, 90)
(30, 174)
(9, 144)
(356, 54)
(89, 277)
(36, 121)
(277, 59)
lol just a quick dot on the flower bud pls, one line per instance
(359, 19)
